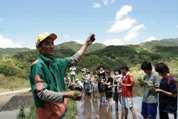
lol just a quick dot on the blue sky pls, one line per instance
(114, 22)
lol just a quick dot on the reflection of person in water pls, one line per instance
(87, 107)
(95, 110)
(102, 111)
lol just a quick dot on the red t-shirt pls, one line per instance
(127, 90)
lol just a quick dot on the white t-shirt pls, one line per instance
(72, 70)
(119, 79)
(87, 78)
(78, 84)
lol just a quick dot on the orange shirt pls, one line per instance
(127, 90)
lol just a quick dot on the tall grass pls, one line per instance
(71, 111)
(12, 83)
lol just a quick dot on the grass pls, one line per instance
(71, 112)
(12, 83)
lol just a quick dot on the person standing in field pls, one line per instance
(108, 87)
(94, 85)
(167, 93)
(150, 98)
(66, 80)
(86, 79)
(101, 87)
(72, 73)
(117, 87)
(47, 78)
(127, 96)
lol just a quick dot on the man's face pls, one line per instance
(47, 47)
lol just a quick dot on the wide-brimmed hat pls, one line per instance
(84, 69)
(87, 70)
(43, 36)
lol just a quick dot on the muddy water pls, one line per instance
(89, 108)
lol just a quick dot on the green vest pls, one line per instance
(51, 72)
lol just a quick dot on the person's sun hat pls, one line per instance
(87, 70)
(84, 69)
(76, 79)
(43, 36)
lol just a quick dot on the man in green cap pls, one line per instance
(47, 78)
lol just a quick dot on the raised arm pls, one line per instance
(77, 56)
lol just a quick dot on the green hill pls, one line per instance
(76, 46)
(164, 42)
(12, 51)
(98, 54)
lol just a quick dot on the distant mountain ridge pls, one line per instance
(163, 42)
(11, 51)
(74, 46)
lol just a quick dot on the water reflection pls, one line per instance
(89, 108)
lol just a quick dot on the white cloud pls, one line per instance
(133, 33)
(150, 38)
(122, 25)
(137, 28)
(130, 36)
(123, 11)
(105, 2)
(177, 26)
(8, 43)
(66, 36)
(96, 5)
(122, 21)
(79, 41)
(113, 42)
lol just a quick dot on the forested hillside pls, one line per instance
(109, 56)
(76, 46)
(12, 51)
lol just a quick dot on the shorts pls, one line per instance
(126, 102)
(166, 115)
(101, 88)
(117, 96)
(109, 94)
(149, 110)
(87, 86)
(94, 89)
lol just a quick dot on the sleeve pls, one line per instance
(50, 96)
(81, 84)
(144, 78)
(173, 86)
(131, 80)
(87, 77)
(37, 78)
(68, 62)
(156, 81)
(111, 80)
(75, 58)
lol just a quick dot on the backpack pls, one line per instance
(169, 80)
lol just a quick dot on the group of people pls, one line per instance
(156, 90)
(50, 96)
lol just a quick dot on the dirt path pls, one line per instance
(5, 96)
